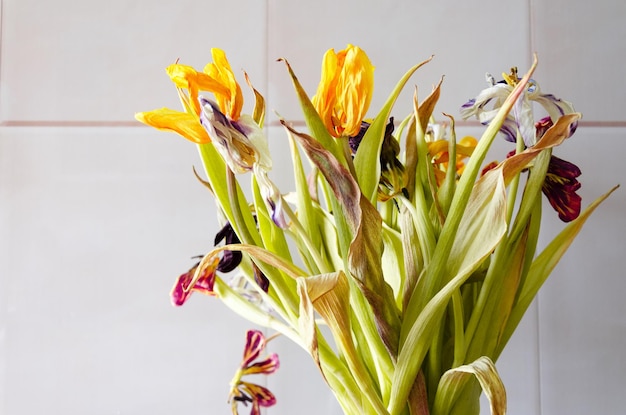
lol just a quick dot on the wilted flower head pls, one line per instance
(217, 78)
(246, 392)
(241, 143)
(345, 90)
(440, 156)
(392, 174)
(521, 119)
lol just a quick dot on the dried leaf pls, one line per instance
(454, 380)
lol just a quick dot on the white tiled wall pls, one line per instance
(98, 215)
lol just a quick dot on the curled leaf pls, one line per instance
(454, 380)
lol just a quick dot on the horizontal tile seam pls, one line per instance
(271, 124)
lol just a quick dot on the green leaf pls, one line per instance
(307, 214)
(251, 312)
(360, 229)
(496, 297)
(313, 121)
(545, 263)
(480, 230)
(366, 160)
(435, 275)
(216, 172)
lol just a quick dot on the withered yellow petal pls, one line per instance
(185, 76)
(345, 90)
(185, 124)
(230, 99)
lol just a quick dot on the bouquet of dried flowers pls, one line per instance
(418, 257)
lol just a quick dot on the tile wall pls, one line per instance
(98, 214)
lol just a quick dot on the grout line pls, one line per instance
(531, 28)
(266, 330)
(68, 123)
(266, 41)
(1, 60)
(296, 123)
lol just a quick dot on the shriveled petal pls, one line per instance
(182, 289)
(261, 280)
(272, 197)
(524, 120)
(555, 107)
(259, 394)
(266, 366)
(186, 77)
(521, 118)
(542, 126)
(356, 85)
(242, 144)
(255, 344)
(495, 94)
(230, 259)
(325, 97)
(560, 188)
(182, 123)
(230, 99)
(345, 90)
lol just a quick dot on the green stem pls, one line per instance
(300, 234)
(459, 333)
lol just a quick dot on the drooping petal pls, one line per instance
(542, 126)
(230, 259)
(259, 394)
(246, 392)
(186, 77)
(261, 280)
(560, 188)
(255, 344)
(233, 144)
(204, 284)
(266, 366)
(520, 120)
(184, 124)
(495, 94)
(555, 107)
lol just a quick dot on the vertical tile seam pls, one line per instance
(265, 63)
(538, 388)
(3, 292)
(266, 50)
(1, 50)
(538, 373)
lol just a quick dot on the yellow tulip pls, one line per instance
(345, 90)
(217, 77)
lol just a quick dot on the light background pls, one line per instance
(98, 215)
